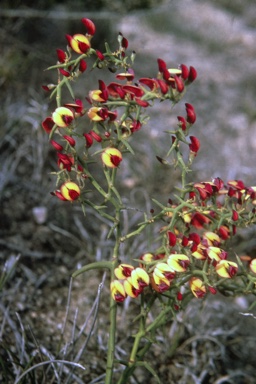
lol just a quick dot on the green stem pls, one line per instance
(113, 306)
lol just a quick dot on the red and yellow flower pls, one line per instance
(62, 117)
(117, 291)
(70, 191)
(79, 43)
(197, 287)
(226, 269)
(111, 157)
(178, 262)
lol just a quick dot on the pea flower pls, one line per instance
(159, 284)
(62, 116)
(197, 287)
(130, 289)
(79, 43)
(178, 262)
(70, 191)
(111, 157)
(117, 291)
(226, 269)
(139, 278)
(123, 271)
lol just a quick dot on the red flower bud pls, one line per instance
(82, 66)
(182, 122)
(64, 72)
(89, 25)
(163, 86)
(184, 71)
(179, 84)
(192, 74)
(70, 140)
(223, 232)
(194, 146)
(89, 139)
(172, 238)
(56, 145)
(235, 215)
(191, 115)
(161, 65)
(95, 136)
(179, 296)
(100, 55)
(61, 55)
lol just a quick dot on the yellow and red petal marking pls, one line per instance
(158, 284)
(130, 290)
(94, 114)
(111, 157)
(139, 278)
(226, 269)
(96, 95)
(123, 271)
(62, 117)
(197, 287)
(211, 238)
(147, 257)
(70, 191)
(117, 291)
(199, 253)
(79, 43)
(178, 262)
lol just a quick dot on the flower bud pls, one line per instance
(191, 115)
(90, 26)
(70, 140)
(56, 145)
(61, 55)
(192, 74)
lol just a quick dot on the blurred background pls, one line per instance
(217, 37)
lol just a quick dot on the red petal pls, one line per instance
(179, 84)
(192, 74)
(90, 26)
(89, 139)
(82, 66)
(161, 65)
(184, 71)
(191, 115)
(64, 73)
(195, 144)
(142, 103)
(48, 124)
(136, 91)
(61, 55)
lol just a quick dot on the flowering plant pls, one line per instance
(188, 257)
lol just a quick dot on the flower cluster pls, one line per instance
(114, 111)
(163, 273)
